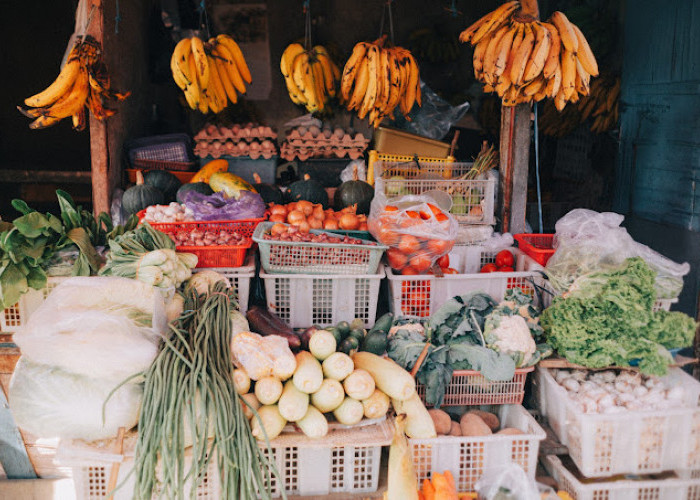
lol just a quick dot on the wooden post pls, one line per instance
(515, 151)
(99, 151)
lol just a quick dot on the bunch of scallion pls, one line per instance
(148, 256)
(189, 392)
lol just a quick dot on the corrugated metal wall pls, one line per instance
(660, 129)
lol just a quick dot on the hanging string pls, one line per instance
(391, 22)
(537, 168)
(204, 18)
(117, 18)
(307, 24)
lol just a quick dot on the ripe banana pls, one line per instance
(311, 76)
(566, 32)
(178, 63)
(584, 52)
(237, 55)
(60, 86)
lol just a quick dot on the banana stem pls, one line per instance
(530, 8)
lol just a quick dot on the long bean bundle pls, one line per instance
(189, 390)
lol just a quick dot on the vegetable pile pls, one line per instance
(174, 212)
(199, 238)
(306, 215)
(468, 423)
(607, 318)
(283, 232)
(148, 256)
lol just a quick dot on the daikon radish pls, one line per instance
(329, 396)
(393, 380)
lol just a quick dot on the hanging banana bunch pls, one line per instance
(602, 106)
(525, 60)
(83, 84)
(311, 76)
(210, 73)
(378, 79)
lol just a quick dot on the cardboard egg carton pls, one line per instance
(303, 143)
(255, 149)
(237, 132)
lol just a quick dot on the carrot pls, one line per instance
(450, 481)
(428, 490)
(442, 488)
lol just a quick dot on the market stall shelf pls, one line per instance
(468, 458)
(627, 442)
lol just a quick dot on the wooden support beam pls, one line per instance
(99, 148)
(45, 176)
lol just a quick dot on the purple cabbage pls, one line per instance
(218, 207)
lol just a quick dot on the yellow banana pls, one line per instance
(534, 86)
(79, 120)
(200, 60)
(539, 54)
(94, 103)
(503, 49)
(517, 41)
(371, 94)
(73, 101)
(218, 93)
(541, 94)
(466, 35)
(237, 55)
(288, 56)
(319, 84)
(178, 63)
(560, 100)
(554, 83)
(327, 67)
(583, 79)
(43, 122)
(584, 53)
(395, 82)
(521, 56)
(552, 61)
(351, 68)
(360, 88)
(491, 53)
(502, 85)
(568, 73)
(62, 84)
(566, 32)
(479, 53)
(496, 19)
(231, 69)
(413, 82)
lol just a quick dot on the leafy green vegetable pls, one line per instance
(607, 318)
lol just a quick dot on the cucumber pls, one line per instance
(344, 328)
(383, 324)
(336, 333)
(349, 345)
(375, 342)
(358, 333)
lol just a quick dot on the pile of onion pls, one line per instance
(305, 215)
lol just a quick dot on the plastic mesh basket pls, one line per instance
(673, 486)
(289, 257)
(244, 227)
(470, 387)
(239, 278)
(472, 200)
(163, 148)
(537, 246)
(469, 458)
(14, 317)
(631, 442)
(307, 299)
(418, 296)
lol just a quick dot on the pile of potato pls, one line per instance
(472, 423)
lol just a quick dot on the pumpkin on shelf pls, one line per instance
(199, 187)
(141, 196)
(209, 169)
(164, 181)
(308, 189)
(231, 185)
(269, 192)
(354, 192)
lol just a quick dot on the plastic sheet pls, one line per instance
(218, 207)
(509, 482)
(587, 241)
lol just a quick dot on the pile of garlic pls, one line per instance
(175, 212)
(611, 392)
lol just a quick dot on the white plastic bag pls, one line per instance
(509, 482)
(50, 402)
(587, 241)
(99, 327)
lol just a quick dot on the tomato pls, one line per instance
(396, 259)
(444, 261)
(421, 263)
(409, 244)
(489, 268)
(504, 259)
(390, 208)
(425, 215)
(387, 236)
(439, 247)
(413, 214)
(441, 217)
(506, 269)
(450, 270)
(408, 270)
(435, 209)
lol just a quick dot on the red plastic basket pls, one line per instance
(470, 387)
(244, 227)
(537, 246)
(219, 255)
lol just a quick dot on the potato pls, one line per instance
(511, 431)
(472, 425)
(441, 420)
(456, 430)
(489, 419)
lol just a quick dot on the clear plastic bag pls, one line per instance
(509, 482)
(587, 241)
(417, 231)
(103, 327)
(434, 117)
(262, 356)
(218, 207)
(50, 402)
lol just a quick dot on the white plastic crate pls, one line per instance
(239, 278)
(631, 442)
(344, 461)
(303, 300)
(469, 458)
(13, 317)
(418, 296)
(677, 486)
(472, 200)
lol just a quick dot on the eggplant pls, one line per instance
(265, 322)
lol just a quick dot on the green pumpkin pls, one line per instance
(164, 181)
(269, 192)
(140, 196)
(200, 187)
(308, 189)
(354, 192)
